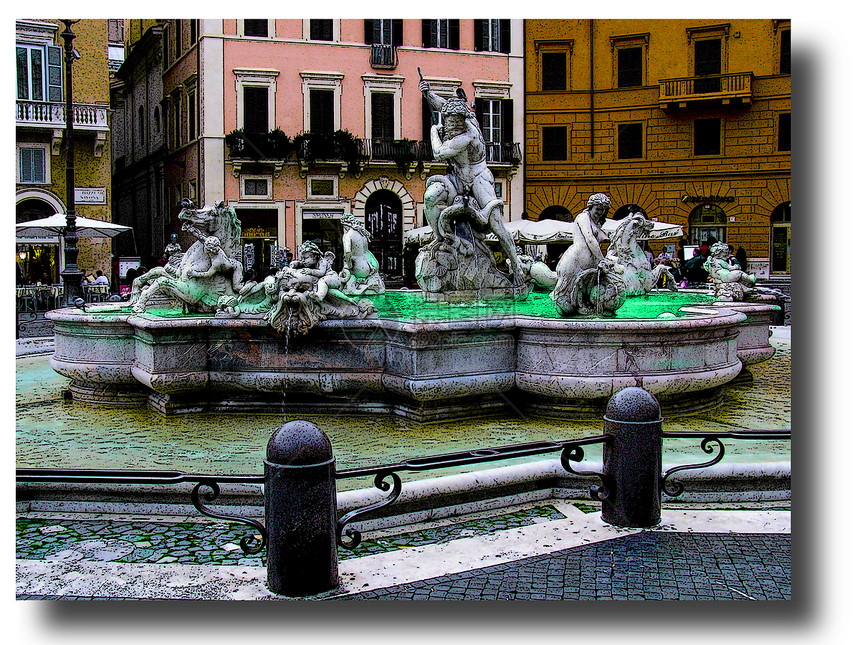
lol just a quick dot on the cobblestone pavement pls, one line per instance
(205, 542)
(643, 566)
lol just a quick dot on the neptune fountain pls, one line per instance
(196, 337)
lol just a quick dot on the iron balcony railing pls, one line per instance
(395, 150)
(700, 88)
(383, 56)
(53, 115)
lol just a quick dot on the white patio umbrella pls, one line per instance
(55, 225)
(548, 231)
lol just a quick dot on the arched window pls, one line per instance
(707, 221)
(780, 239)
(624, 211)
(559, 213)
(156, 118)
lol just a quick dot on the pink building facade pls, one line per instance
(233, 87)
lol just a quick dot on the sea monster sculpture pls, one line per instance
(588, 283)
(208, 271)
(639, 276)
(299, 296)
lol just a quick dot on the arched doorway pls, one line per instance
(707, 221)
(383, 218)
(554, 251)
(38, 259)
(780, 239)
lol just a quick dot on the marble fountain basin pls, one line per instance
(425, 370)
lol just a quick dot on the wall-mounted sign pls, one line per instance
(714, 199)
(321, 214)
(90, 195)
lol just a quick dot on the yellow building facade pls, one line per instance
(40, 169)
(688, 121)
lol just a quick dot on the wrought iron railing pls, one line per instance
(386, 477)
(383, 56)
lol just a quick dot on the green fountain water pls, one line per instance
(52, 433)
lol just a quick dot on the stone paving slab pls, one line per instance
(648, 565)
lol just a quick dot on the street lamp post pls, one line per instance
(71, 275)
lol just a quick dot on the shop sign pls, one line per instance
(90, 195)
(321, 214)
(714, 199)
(259, 231)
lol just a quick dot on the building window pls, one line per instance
(382, 115)
(33, 167)
(630, 141)
(493, 35)
(383, 96)
(256, 28)
(141, 125)
(383, 32)
(783, 135)
(192, 115)
(554, 71)
(497, 125)
(440, 32)
(193, 30)
(785, 51)
(256, 104)
(319, 110)
(707, 136)
(554, 140)
(256, 187)
(322, 29)
(322, 186)
(708, 62)
(39, 73)
(322, 111)
(707, 221)
(630, 67)
(156, 119)
(177, 38)
(780, 239)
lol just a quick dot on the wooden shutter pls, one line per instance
(368, 31)
(505, 35)
(507, 120)
(55, 74)
(427, 33)
(482, 35)
(382, 115)
(322, 111)
(397, 32)
(454, 34)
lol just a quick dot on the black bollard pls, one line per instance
(300, 501)
(633, 459)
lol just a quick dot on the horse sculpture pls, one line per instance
(639, 276)
(207, 271)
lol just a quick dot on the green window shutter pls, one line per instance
(55, 74)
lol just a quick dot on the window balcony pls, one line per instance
(383, 56)
(52, 116)
(718, 87)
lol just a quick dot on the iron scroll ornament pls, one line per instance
(600, 492)
(676, 488)
(353, 536)
(247, 542)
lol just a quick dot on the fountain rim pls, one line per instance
(723, 314)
